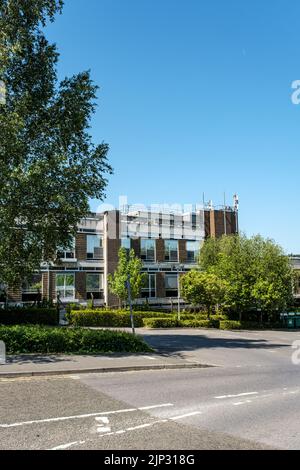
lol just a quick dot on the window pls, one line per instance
(65, 286)
(171, 250)
(192, 250)
(148, 249)
(94, 247)
(94, 285)
(32, 289)
(126, 243)
(149, 289)
(68, 253)
(171, 285)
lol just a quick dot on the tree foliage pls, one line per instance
(50, 167)
(258, 272)
(203, 288)
(127, 266)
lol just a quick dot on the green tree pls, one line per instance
(50, 167)
(128, 265)
(258, 273)
(203, 288)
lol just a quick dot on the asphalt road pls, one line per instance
(249, 401)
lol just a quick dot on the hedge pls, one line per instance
(162, 322)
(34, 315)
(247, 325)
(109, 318)
(44, 340)
(192, 316)
(230, 325)
(199, 324)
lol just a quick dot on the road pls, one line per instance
(250, 400)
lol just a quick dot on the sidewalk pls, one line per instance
(37, 365)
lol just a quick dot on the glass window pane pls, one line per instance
(69, 294)
(125, 243)
(60, 280)
(70, 280)
(92, 282)
(171, 281)
(94, 245)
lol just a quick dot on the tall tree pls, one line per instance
(49, 165)
(128, 266)
(258, 272)
(203, 288)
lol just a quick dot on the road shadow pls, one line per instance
(36, 359)
(179, 343)
(20, 359)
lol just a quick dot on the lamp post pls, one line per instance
(178, 269)
(128, 285)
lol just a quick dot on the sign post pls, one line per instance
(130, 303)
(2, 353)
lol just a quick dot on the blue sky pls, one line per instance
(195, 96)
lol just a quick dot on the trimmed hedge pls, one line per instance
(44, 340)
(33, 316)
(199, 324)
(192, 316)
(247, 325)
(109, 318)
(230, 325)
(160, 322)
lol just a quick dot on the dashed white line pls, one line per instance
(238, 403)
(237, 395)
(68, 445)
(175, 418)
(88, 415)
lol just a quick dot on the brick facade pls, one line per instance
(107, 225)
(80, 285)
(160, 250)
(182, 256)
(160, 285)
(81, 246)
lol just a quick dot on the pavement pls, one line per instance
(56, 364)
(250, 400)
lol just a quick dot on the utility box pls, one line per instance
(291, 320)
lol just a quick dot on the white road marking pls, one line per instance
(88, 415)
(67, 446)
(150, 358)
(146, 425)
(186, 415)
(100, 427)
(237, 395)
(238, 403)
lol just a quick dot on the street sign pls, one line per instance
(2, 92)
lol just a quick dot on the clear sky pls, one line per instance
(195, 96)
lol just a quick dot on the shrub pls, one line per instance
(230, 325)
(219, 317)
(115, 318)
(200, 323)
(102, 318)
(42, 340)
(247, 325)
(162, 322)
(33, 316)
